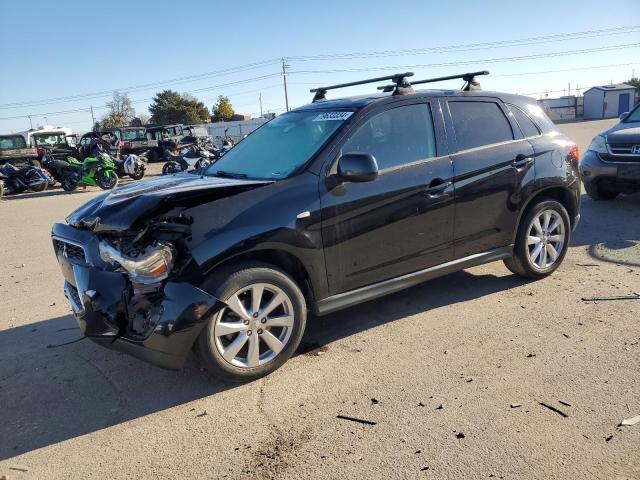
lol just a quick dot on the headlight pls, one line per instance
(146, 270)
(598, 144)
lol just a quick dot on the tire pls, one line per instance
(106, 179)
(597, 192)
(138, 173)
(41, 187)
(170, 168)
(69, 183)
(543, 265)
(236, 282)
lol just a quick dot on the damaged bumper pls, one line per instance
(101, 300)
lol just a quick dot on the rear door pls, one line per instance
(490, 160)
(403, 220)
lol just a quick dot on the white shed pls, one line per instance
(608, 101)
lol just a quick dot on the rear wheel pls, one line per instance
(598, 192)
(40, 187)
(171, 168)
(542, 240)
(69, 183)
(260, 327)
(138, 172)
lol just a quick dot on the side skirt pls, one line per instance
(364, 294)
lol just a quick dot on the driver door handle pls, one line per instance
(436, 189)
(521, 160)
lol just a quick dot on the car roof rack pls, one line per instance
(470, 78)
(400, 85)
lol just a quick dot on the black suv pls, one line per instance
(324, 207)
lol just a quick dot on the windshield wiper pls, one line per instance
(222, 173)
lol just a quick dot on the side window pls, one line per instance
(529, 129)
(396, 137)
(479, 123)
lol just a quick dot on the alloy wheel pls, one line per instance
(545, 239)
(255, 326)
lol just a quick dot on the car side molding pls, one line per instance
(392, 285)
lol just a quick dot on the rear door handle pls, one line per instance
(521, 161)
(437, 189)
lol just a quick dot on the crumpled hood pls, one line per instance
(119, 209)
(624, 133)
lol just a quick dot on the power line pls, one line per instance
(470, 62)
(179, 80)
(472, 46)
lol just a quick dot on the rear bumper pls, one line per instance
(101, 303)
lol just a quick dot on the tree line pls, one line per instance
(167, 107)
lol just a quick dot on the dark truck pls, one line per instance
(123, 140)
(168, 137)
(14, 150)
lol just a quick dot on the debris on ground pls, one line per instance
(516, 405)
(66, 343)
(420, 404)
(531, 355)
(19, 469)
(460, 435)
(202, 414)
(587, 265)
(357, 420)
(629, 422)
(375, 401)
(634, 296)
(563, 402)
(440, 407)
(554, 409)
(5, 477)
(608, 439)
(565, 335)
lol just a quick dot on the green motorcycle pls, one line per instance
(98, 171)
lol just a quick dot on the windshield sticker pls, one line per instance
(325, 116)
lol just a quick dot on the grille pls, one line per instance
(69, 250)
(622, 152)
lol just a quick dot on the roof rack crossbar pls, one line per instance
(467, 77)
(399, 80)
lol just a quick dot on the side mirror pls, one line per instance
(357, 167)
(623, 116)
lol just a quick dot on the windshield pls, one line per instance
(50, 139)
(634, 116)
(11, 143)
(132, 135)
(279, 147)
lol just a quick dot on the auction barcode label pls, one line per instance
(324, 116)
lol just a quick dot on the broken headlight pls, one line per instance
(147, 268)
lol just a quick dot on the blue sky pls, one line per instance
(73, 47)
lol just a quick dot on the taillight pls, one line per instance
(574, 155)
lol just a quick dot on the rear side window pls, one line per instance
(396, 137)
(479, 123)
(529, 129)
(540, 118)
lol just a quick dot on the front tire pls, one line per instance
(170, 168)
(542, 240)
(261, 326)
(597, 192)
(138, 173)
(106, 179)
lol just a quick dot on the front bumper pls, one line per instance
(100, 302)
(625, 175)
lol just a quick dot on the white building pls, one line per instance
(608, 101)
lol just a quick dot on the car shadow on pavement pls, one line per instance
(53, 192)
(610, 230)
(56, 385)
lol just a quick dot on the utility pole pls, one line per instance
(569, 89)
(284, 78)
(93, 120)
(30, 122)
(260, 99)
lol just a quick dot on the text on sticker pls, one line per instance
(340, 116)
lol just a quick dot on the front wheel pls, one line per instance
(40, 187)
(70, 183)
(138, 172)
(542, 240)
(598, 192)
(260, 327)
(106, 179)
(171, 168)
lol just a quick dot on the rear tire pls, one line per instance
(549, 239)
(138, 173)
(170, 168)
(69, 183)
(273, 335)
(597, 192)
(41, 187)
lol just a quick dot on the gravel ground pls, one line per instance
(437, 367)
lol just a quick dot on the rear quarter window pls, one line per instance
(529, 129)
(544, 123)
(479, 123)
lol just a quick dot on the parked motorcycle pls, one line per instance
(16, 180)
(93, 171)
(194, 157)
(132, 165)
(57, 165)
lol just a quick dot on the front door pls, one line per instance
(400, 222)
